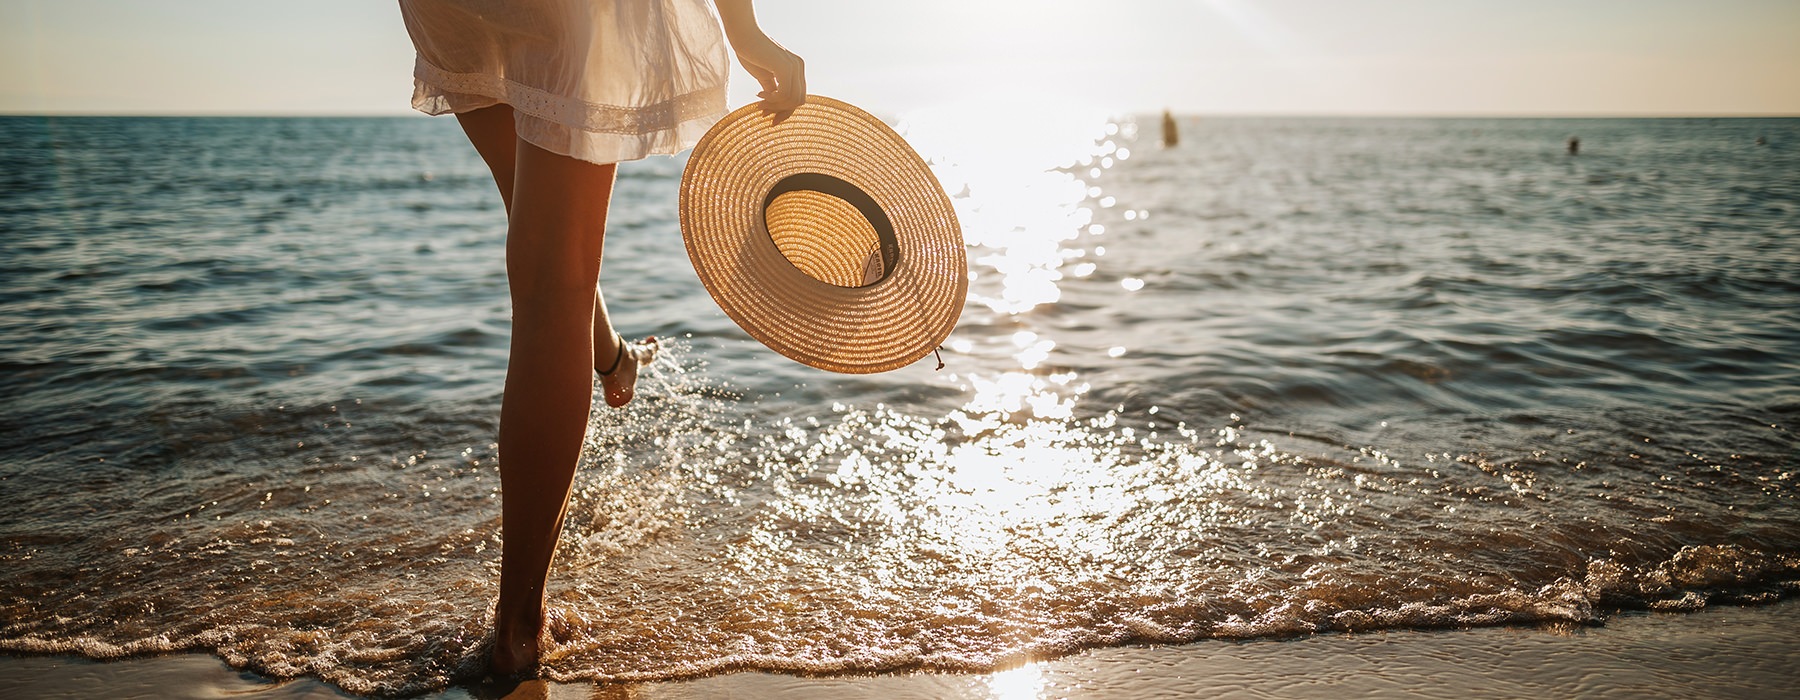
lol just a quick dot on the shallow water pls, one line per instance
(1291, 376)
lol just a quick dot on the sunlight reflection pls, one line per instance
(1017, 193)
(1025, 478)
(1022, 683)
(997, 399)
(1026, 196)
(979, 527)
(1032, 485)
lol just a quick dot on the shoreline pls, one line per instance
(1718, 652)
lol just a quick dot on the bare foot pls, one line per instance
(515, 647)
(620, 383)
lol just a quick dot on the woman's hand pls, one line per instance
(781, 73)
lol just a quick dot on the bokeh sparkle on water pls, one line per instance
(1292, 376)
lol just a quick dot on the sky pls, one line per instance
(1310, 57)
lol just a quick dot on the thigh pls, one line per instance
(572, 193)
(490, 129)
(558, 221)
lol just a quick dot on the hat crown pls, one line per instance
(831, 230)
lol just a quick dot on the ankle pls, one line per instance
(619, 349)
(521, 617)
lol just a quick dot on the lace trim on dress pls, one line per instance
(571, 112)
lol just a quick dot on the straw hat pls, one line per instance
(824, 236)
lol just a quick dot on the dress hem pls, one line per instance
(575, 128)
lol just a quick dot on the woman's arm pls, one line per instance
(781, 73)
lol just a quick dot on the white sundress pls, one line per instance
(599, 80)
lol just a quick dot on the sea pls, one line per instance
(1284, 377)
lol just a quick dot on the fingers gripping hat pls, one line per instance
(824, 236)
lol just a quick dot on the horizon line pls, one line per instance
(1221, 114)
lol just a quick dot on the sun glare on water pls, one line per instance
(1025, 180)
(1022, 683)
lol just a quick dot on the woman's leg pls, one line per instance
(553, 242)
(556, 225)
(491, 130)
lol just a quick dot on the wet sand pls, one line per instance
(1721, 652)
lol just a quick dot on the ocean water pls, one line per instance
(1291, 376)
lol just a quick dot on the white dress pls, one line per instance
(599, 80)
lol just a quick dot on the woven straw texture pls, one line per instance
(829, 319)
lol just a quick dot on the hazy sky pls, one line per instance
(1498, 57)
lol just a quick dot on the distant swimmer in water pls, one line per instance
(1762, 140)
(1574, 145)
(593, 87)
(1170, 137)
